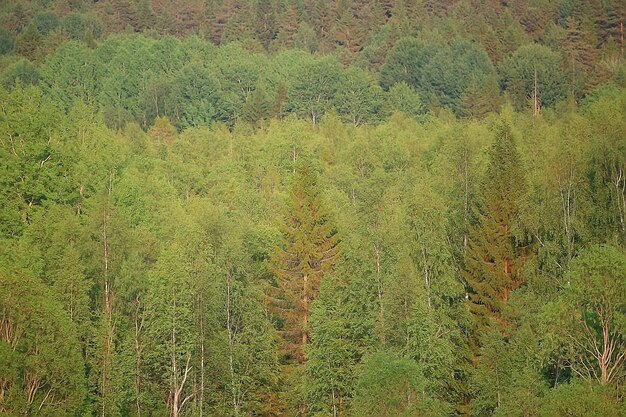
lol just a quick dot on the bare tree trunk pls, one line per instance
(426, 275)
(608, 354)
(231, 342)
(201, 363)
(138, 351)
(178, 402)
(176, 387)
(294, 157)
(379, 288)
(567, 190)
(620, 194)
(466, 207)
(305, 318)
(536, 104)
(174, 384)
(108, 301)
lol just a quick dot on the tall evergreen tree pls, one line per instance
(308, 253)
(494, 256)
(265, 22)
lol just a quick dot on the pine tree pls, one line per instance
(320, 18)
(265, 22)
(308, 253)
(579, 54)
(222, 16)
(494, 258)
(349, 30)
(240, 26)
(287, 28)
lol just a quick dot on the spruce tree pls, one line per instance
(494, 257)
(287, 27)
(308, 253)
(265, 22)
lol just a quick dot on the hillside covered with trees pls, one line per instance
(312, 208)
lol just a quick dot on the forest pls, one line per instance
(312, 208)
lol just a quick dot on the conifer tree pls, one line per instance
(287, 27)
(265, 22)
(308, 253)
(579, 54)
(348, 30)
(320, 18)
(493, 258)
(240, 26)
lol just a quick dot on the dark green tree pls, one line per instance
(46, 22)
(494, 255)
(6, 41)
(22, 70)
(308, 252)
(314, 88)
(534, 71)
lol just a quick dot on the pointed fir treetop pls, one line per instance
(308, 252)
(494, 256)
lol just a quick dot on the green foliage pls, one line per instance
(257, 107)
(46, 22)
(81, 28)
(332, 357)
(30, 158)
(389, 385)
(195, 97)
(606, 162)
(40, 351)
(23, 72)
(402, 97)
(580, 398)
(6, 41)
(28, 43)
(70, 75)
(143, 170)
(534, 65)
(494, 257)
(358, 98)
(306, 255)
(406, 62)
(314, 89)
(596, 293)
(170, 323)
(441, 74)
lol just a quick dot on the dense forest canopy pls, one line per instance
(312, 208)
